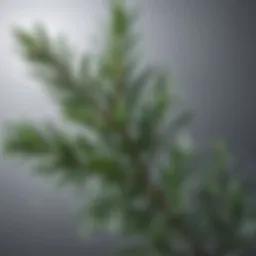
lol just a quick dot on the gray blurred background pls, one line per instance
(209, 46)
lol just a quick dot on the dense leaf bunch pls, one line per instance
(143, 182)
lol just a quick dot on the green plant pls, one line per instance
(128, 121)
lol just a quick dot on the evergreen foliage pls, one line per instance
(147, 184)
